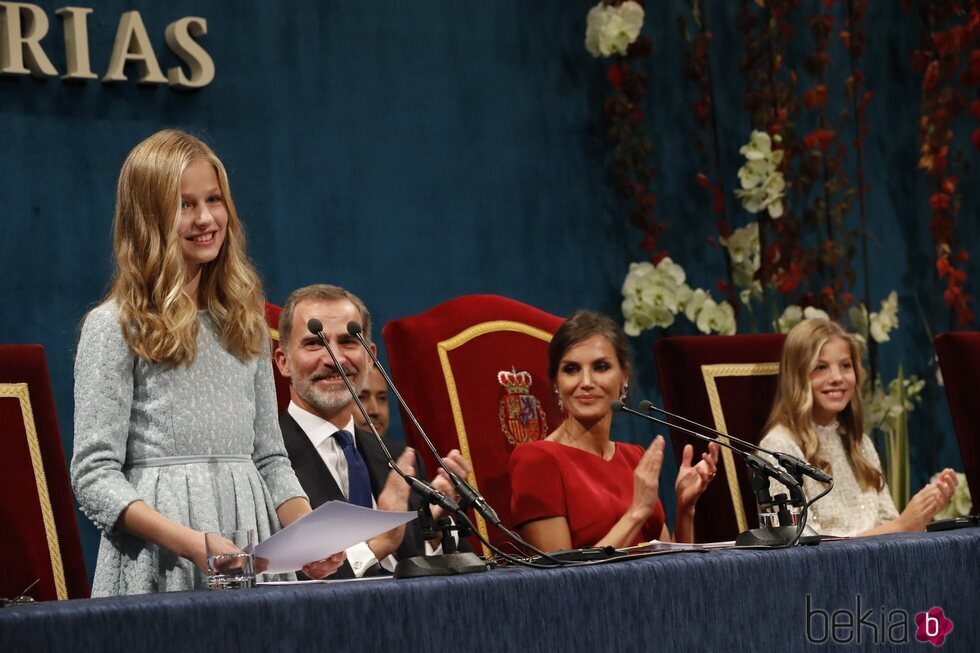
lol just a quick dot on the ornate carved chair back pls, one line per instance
(959, 361)
(282, 383)
(728, 383)
(474, 370)
(40, 538)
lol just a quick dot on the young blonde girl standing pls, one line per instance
(176, 431)
(817, 415)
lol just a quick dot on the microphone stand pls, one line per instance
(783, 535)
(446, 564)
(796, 467)
(469, 497)
(479, 503)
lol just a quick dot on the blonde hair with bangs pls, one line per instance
(158, 318)
(793, 406)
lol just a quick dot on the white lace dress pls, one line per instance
(199, 444)
(848, 509)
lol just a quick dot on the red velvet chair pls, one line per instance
(474, 370)
(728, 383)
(40, 535)
(959, 360)
(282, 383)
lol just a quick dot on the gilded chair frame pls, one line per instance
(711, 374)
(21, 393)
(444, 347)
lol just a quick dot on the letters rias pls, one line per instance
(24, 25)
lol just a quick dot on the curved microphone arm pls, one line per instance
(792, 464)
(754, 462)
(763, 469)
(429, 493)
(426, 491)
(468, 494)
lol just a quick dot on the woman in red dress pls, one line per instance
(577, 488)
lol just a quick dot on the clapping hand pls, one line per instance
(394, 494)
(947, 481)
(646, 479)
(457, 463)
(928, 501)
(693, 481)
(394, 497)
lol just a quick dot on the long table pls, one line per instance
(723, 600)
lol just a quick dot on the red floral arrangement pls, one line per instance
(807, 249)
(949, 62)
(631, 173)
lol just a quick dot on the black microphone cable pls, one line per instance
(758, 465)
(468, 494)
(792, 464)
(429, 493)
(432, 495)
(795, 466)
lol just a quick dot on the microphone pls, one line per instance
(468, 494)
(784, 535)
(756, 463)
(454, 563)
(469, 497)
(429, 493)
(792, 464)
(417, 566)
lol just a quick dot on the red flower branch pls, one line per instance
(949, 62)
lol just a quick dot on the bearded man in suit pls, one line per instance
(332, 459)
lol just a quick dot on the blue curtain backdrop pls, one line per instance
(413, 152)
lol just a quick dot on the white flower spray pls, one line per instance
(653, 295)
(763, 185)
(611, 30)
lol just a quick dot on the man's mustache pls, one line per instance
(320, 376)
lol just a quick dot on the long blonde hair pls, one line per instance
(793, 406)
(158, 318)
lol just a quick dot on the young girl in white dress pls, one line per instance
(818, 416)
(176, 431)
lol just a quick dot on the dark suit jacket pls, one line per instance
(321, 487)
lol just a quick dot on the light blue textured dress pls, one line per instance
(200, 444)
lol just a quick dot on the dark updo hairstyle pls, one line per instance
(582, 326)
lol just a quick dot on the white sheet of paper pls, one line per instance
(657, 545)
(334, 526)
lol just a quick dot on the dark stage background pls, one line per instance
(413, 152)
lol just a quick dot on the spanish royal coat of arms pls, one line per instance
(521, 417)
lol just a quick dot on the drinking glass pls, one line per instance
(231, 563)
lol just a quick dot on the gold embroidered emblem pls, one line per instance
(522, 419)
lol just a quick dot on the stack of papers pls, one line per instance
(335, 526)
(657, 545)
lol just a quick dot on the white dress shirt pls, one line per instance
(320, 432)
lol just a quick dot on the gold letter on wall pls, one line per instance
(133, 44)
(76, 42)
(180, 38)
(20, 41)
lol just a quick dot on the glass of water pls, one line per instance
(231, 563)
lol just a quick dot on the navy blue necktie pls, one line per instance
(358, 482)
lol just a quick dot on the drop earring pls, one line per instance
(624, 392)
(561, 406)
